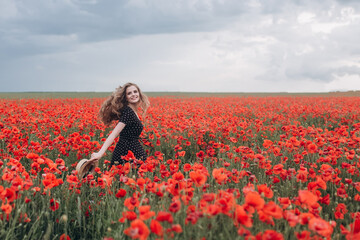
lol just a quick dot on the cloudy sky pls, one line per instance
(180, 45)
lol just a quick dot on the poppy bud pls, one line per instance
(64, 218)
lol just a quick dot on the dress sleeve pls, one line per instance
(125, 116)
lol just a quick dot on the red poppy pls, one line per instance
(198, 177)
(277, 169)
(178, 176)
(340, 210)
(129, 215)
(187, 167)
(164, 216)
(121, 193)
(145, 212)
(312, 148)
(304, 218)
(137, 230)
(54, 205)
(175, 206)
(8, 194)
(304, 235)
(129, 157)
(65, 237)
(291, 217)
(341, 192)
(273, 210)
(308, 198)
(176, 228)
(32, 156)
(6, 208)
(353, 232)
(320, 182)
(321, 227)
(131, 202)
(209, 197)
(180, 154)
(267, 143)
(242, 217)
(156, 227)
(273, 235)
(284, 202)
(264, 189)
(212, 209)
(220, 175)
(253, 199)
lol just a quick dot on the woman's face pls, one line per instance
(132, 95)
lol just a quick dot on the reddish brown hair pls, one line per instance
(112, 106)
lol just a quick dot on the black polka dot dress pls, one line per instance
(129, 137)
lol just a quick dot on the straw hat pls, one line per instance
(85, 167)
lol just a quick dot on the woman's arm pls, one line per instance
(118, 128)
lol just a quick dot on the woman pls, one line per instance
(123, 105)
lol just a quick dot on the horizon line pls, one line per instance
(335, 91)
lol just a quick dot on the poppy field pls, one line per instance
(279, 167)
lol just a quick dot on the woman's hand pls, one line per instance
(95, 156)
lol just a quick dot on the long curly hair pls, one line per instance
(111, 108)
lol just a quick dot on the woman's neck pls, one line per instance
(133, 106)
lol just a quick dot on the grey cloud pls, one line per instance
(352, 3)
(36, 28)
(106, 20)
(347, 39)
(351, 70)
(318, 67)
(34, 23)
(119, 18)
(309, 70)
(300, 54)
